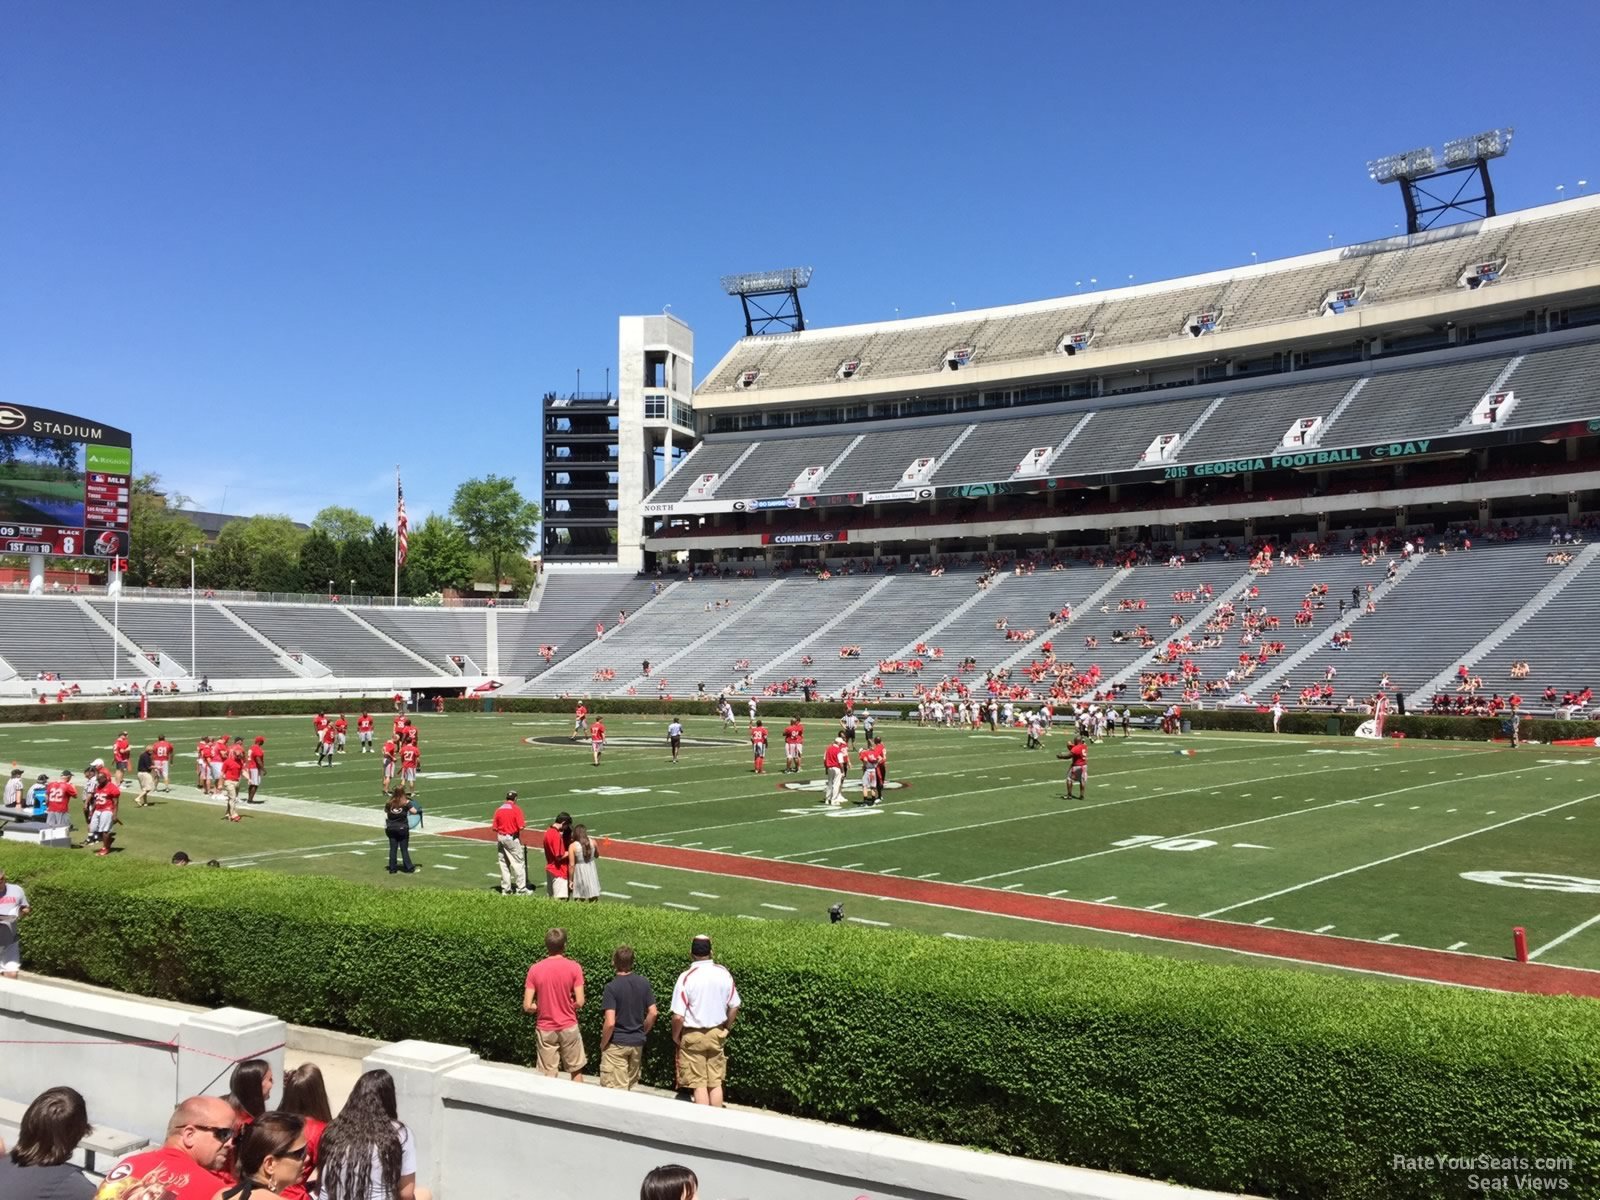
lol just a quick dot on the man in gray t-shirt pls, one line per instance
(630, 1013)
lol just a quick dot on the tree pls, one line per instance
(261, 553)
(319, 562)
(498, 522)
(342, 526)
(438, 557)
(516, 571)
(163, 538)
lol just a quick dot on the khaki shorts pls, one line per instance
(556, 887)
(147, 781)
(561, 1050)
(702, 1058)
(619, 1066)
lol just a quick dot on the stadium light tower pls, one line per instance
(771, 299)
(1425, 178)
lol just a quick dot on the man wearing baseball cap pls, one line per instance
(705, 1004)
(836, 759)
(508, 826)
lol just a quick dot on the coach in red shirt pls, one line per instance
(508, 826)
(835, 759)
(555, 855)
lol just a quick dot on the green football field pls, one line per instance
(1442, 846)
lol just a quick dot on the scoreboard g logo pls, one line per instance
(11, 419)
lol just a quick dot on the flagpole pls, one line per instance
(395, 601)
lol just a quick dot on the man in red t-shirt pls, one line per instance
(319, 723)
(325, 746)
(794, 739)
(553, 992)
(579, 717)
(190, 1165)
(389, 749)
(232, 772)
(255, 767)
(508, 825)
(597, 738)
(120, 750)
(835, 760)
(555, 856)
(340, 728)
(364, 732)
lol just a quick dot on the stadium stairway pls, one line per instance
(1278, 678)
(693, 624)
(570, 605)
(1279, 593)
(132, 658)
(930, 637)
(760, 635)
(286, 659)
(1442, 605)
(1578, 659)
(1080, 612)
(431, 667)
(1193, 627)
(774, 666)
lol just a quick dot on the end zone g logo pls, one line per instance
(12, 419)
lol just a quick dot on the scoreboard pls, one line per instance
(66, 484)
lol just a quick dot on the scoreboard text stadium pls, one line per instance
(65, 485)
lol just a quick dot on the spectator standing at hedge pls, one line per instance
(705, 1003)
(306, 1096)
(556, 872)
(271, 1152)
(553, 992)
(367, 1153)
(629, 1004)
(188, 1165)
(13, 907)
(397, 825)
(508, 825)
(38, 1166)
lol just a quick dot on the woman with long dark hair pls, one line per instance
(37, 1168)
(305, 1095)
(270, 1156)
(397, 812)
(671, 1182)
(366, 1153)
(581, 857)
(249, 1087)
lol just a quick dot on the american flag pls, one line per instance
(401, 525)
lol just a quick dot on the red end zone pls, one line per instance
(1410, 962)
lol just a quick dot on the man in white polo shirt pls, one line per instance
(14, 906)
(705, 1003)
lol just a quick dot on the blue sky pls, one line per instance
(291, 245)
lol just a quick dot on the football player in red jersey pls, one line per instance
(794, 738)
(597, 738)
(364, 732)
(758, 747)
(1078, 772)
(256, 769)
(340, 727)
(410, 761)
(389, 750)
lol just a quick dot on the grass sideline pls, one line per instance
(1274, 1082)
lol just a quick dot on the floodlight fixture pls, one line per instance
(755, 282)
(771, 299)
(1425, 178)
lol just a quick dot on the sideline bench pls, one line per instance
(102, 1141)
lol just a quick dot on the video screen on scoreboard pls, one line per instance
(65, 485)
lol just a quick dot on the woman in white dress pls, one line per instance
(581, 856)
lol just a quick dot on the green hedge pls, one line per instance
(1276, 1082)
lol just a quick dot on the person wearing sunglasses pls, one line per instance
(271, 1152)
(188, 1165)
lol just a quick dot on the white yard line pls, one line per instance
(1233, 825)
(781, 907)
(653, 887)
(864, 921)
(1396, 857)
(705, 896)
(1459, 945)
(1554, 942)
(683, 907)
